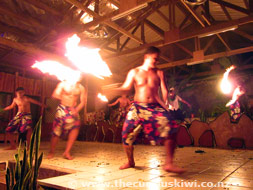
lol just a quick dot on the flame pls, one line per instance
(60, 71)
(85, 59)
(236, 94)
(226, 86)
(102, 97)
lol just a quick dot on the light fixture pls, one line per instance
(195, 2)
(218, 31)
(130, 11)
(199, 62)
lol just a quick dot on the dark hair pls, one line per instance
(19, 89)
(151, 50)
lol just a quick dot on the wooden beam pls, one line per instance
(246, 3)
(148, 11)
(163, 16)
(99, 20)
(21, 18)
(127, 40)
(155, 28)
(109, 23)
(243, 34)
(17, 32)
(193, 13)
(219, 36)
(232, 6)
(208, 57)
(45, 7)
(209, 43)
(226, 12)
(36, 52)
(187, 14)
(184, 49)
(187, 35)
(143, 32)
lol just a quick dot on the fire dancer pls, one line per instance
(22, 122)
(67, 119)
(148, 112)
(234, 105)
(173, 103)
(124, 103)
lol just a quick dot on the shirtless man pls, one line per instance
(67, 119)
(148, 112)
(124, 102)
(22, 122)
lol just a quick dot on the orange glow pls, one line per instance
(102, 97)
(85, 59)
(226, 86)
(59, 70)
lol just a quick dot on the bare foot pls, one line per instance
(50, 156)
(127, 165)
(67, 156)
(174, 169)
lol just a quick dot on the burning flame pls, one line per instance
(59, 70)
(102, 97)
(86, 60)
(236, 94)
(226, 86)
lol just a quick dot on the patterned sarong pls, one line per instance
(64, 121)
(20, 123)
(152, 119)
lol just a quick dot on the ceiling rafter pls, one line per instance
(17, 32)
(243, 34)
(232, 6)
(21, 18)
(45, 7)
(219, 36)
(209, 43)
(155, 28)
(149, 11)
(226, 12)
(187, 35)
(127, 40)
(208, 57)
(188, 16)
(109, 23)
(184, 49)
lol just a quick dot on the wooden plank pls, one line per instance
(232, 6)
(207, 57)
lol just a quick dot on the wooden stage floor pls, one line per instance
(96, 167)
